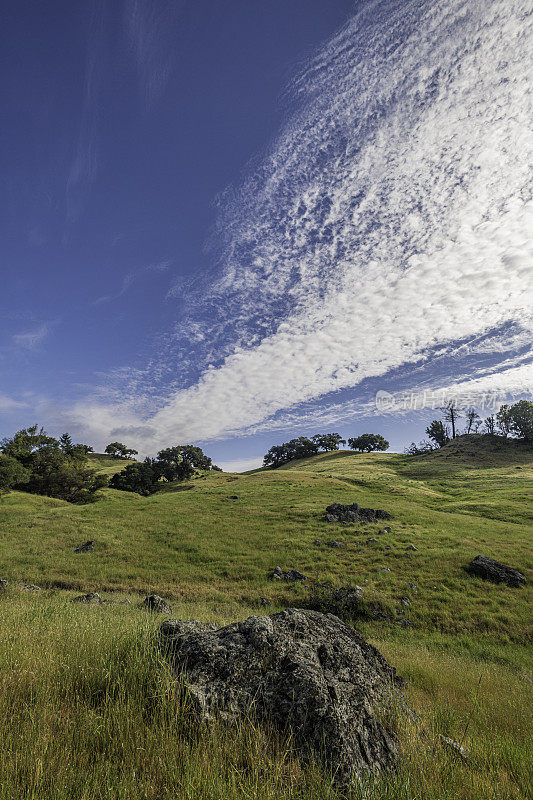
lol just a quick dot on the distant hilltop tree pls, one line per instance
(368, 442)
(119, 450)
(473, 421)
(519, 419)
(451, 414)
(48, 466)
(328, 441)
(177, 463)
(438, 433)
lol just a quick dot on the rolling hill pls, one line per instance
(209, 547)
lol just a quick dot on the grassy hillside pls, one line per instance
(85, 688)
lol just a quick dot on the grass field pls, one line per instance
(87, 712)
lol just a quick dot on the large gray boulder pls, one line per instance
(302, 671)
(494, 571)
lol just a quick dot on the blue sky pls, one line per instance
(232, 223)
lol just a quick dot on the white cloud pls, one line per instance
(8, 404)
(392, 221)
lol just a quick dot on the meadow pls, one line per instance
(89, 710)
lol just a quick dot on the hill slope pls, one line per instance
(87, 713)
(216, 538)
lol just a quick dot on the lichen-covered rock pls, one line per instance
(87, 547)
(292, 575)
(156, 604)
(92, 598)
(302, 671)
(336, 512)
(494, 571)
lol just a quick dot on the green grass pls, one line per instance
(87, 711)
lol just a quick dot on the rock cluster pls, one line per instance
(494, 571)
(292, 575)
(304, 672)
(92, 598)
(336, 512)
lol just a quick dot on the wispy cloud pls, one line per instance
(32, 339)
(129, 279)
(8, 404)
(84, 161)
(150, 31)
(389, 226)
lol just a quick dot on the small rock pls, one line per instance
(30, 587)
(156, 604)
(413, 586)
(494, 571)
(387, 530)
(371, 539)
(3, 585)
(454, 747)
(388, 547)
(411, 547)
(335, 544)
(405, 601)
(88, 547)
(317, 541)
(234, 497)
(264, 601)
(92, 597)
(385, 569)
(403, 623)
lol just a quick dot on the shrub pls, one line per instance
(11, 473)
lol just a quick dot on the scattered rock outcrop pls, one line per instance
(494, 571)
(92, 598)
(156, 604)
(292, 575)
(336, 512)
(88, 547)
(3, 585)
(302, 671)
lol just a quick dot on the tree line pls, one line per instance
(304, 447)
(515, 421)
(32, 461)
